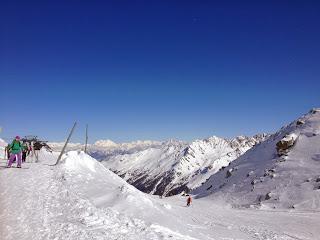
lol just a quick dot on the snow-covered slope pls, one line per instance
(3, 144)
(171, 167)
(104, 188)
(283, 171)
(79, 200)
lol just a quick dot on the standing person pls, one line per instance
(189, 200)
(24, 151)
(15, 152)
(7, 149)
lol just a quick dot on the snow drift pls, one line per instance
(100, 185)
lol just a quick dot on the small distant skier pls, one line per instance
(15, 152)
(189, 201)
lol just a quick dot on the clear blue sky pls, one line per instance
(156, 69)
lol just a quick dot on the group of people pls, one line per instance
(17, 151)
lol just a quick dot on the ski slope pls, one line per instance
(81, 199)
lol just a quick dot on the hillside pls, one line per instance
(79, 199)
(174, 166)
(281, 172)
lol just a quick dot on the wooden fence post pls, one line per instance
(65, 145)
(85, 148)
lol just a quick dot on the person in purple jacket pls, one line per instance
(15, 152)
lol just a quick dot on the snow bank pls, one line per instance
(103, 187)
(106, 191)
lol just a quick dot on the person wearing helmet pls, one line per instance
(15, 152)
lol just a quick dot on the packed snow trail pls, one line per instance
(80, 199)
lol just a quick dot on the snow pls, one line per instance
(170, 167)
(80, 199)
(290, 137)
(3, 144)
(130, 145)
(57, 146)
(106, 143)
(258, 195)
(261, 178)
(174, 166)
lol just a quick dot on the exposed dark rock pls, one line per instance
(284, 145)
(222, 168)
(314, 110)
(268, 196)
(300, 122)
(229, 173)
(269, 173)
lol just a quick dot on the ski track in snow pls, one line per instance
(42, 202)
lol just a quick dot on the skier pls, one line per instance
(25, 151)
(189, 200)
(15, 152)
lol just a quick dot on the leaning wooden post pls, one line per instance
(85, 148)
(33, 151)
(65, 145)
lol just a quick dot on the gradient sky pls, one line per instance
(156, 69)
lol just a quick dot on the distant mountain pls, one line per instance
(281, 172)
(126, 146)
(171, 167)
(57, 146)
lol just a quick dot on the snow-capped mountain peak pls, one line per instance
(106, 143)
(174, 166)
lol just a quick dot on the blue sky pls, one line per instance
(156, 69)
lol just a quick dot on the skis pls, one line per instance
(5, 167)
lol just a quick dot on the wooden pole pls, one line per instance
(85, 148)
(33, 152)
(65, 145)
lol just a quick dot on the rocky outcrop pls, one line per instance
(284, 145)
